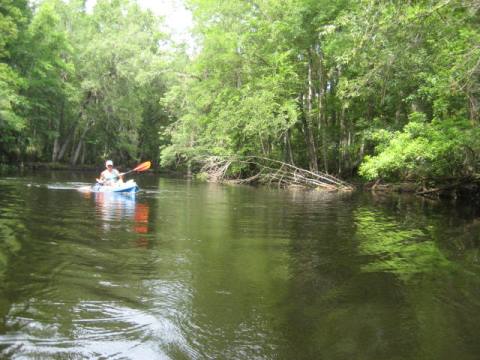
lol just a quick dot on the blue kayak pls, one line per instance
(127, 187)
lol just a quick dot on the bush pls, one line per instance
(436, 150)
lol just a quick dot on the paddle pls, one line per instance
(142, 167)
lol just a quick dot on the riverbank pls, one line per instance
(461, 189)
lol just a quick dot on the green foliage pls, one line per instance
(118, 69)
(424, 72)
(80, 86)
(327, 79)
(201, 176)
(13, 16)
(323, 84)
(9, 99)
(49, 72)
(239, 97)
(441, 149)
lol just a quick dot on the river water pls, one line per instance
(187, 270)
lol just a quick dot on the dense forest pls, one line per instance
(383, 89)
(78, 87)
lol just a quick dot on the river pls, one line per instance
(187, 270)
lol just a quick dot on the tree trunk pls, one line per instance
(64, 148)
(342, 143)
(56, 141)
(322, 111)
(473, 108)
(309, 134)
(310, 143)
(56, 149)
(288, 154)
(76, 153)
(324, 145)
(71, 133)
(84, 151)
(398, 111)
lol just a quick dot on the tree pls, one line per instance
(84, 86)
(50, 75)
(14, 16)
(317, 83)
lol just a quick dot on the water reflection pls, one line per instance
(187, 270)
(113, 206)
(397, 249)
(12, 229)
(9, 241)
(117, 209)
(142, 212)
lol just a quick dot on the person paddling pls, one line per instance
(110, 176)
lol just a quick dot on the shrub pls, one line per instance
(435, 150)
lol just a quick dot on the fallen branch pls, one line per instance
(271, 172)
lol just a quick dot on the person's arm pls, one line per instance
(119, 175)
(101, 180)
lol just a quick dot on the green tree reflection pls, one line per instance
(403, 252)
(9, 243)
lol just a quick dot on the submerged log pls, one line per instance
(271, 172)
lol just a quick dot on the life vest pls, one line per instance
(111, 175)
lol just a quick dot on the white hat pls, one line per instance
(109, 163)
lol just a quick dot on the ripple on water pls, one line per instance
(106, 329)
(204, 271)
(74, 185)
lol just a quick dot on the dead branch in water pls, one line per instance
(271, 172)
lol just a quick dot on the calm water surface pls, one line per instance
(189, 270)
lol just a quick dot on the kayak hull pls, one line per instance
(128, 187)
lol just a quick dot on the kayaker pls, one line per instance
(110, 176)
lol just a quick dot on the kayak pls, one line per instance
(127, 187)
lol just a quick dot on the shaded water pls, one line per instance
(190, 270)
